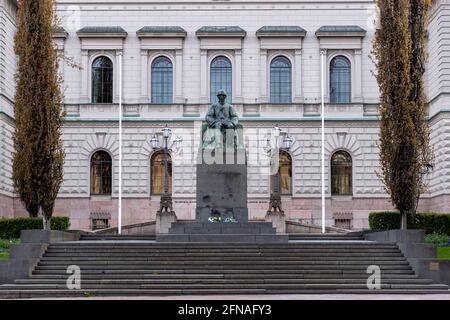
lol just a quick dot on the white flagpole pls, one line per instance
(120, 145)
(322, 55)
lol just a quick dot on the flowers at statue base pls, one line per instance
(216, 219)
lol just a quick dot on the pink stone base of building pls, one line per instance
(139, 210)
(6, 207)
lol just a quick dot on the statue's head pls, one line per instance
(222, 95)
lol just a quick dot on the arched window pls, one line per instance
(221, 78)
(341, 173)
(280, 80)
(162, 81)
(284, 175)
(340, 80)
(101, 173)
(157, 173)
(102, 80)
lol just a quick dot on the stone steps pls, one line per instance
(201, 266)
(225, 236)
(105, 271)
(357, 236)
(111, 237)
(280, 255)
(133, 259)
(207, 252)
(263, 286)
(49, 293)
(122, 268)
(173, 275)
(87, 283)
(222, 263)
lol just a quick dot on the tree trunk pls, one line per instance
(46, 221)
(404, 221)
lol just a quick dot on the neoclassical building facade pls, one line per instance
(171, 57)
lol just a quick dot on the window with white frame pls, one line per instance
(162, 81)
(280, 80)
(221, 77)
(102, 80)
(340, 80)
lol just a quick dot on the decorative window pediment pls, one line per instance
(59, 37)
(102, 32)
(221, 31)
(281, 31)
(341, 31)
(102, 38)
(281, 37)
(161, 32)
(221, 37)
(161, 37)
(340, 37)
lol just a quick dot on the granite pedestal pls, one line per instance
(222, 195)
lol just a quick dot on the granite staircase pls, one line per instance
(139, 268)
(116, 237)
(352, 236)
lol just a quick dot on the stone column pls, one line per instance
(298, 72)
(84, 94)
(117, 76)
(357, 76)
(178, 94)
(325, 74)
(204, 97)
(145, 97)
(263, 96)
(237, 95)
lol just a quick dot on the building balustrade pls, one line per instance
(195, 111)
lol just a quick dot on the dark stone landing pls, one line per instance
(222, 191)
(226, 239)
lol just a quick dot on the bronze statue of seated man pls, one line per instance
(221, 116)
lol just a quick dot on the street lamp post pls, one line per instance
(286, 145)
(166, 204)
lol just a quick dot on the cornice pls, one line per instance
(214, 5)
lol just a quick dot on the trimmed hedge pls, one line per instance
(430, 222)
(11, 228)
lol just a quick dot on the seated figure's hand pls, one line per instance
(228, 124)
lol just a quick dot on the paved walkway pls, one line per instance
(280, 297)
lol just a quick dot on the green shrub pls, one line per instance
(384, 220)
(60, 223)
(431, 222)
(437, 238)
(11, 228)
(6, 243)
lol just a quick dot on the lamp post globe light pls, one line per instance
(286, 145)
(166, 204)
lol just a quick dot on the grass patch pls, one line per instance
(443, 253)
(4, 256)
(5, 244)
(4, 247)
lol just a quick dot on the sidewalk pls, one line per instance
(279, 297)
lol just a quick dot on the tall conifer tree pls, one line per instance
(400, 51)
(39, 156)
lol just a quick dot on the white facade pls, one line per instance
(351, 127)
